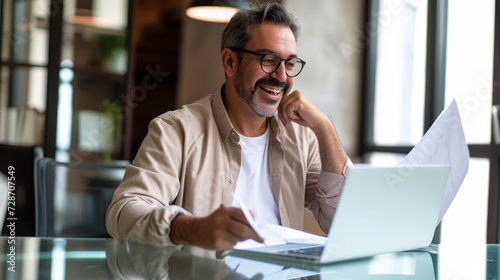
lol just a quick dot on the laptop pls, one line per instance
(380, 210)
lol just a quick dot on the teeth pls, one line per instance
(275, 91)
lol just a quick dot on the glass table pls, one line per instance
(75, 258)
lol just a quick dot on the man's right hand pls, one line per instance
(218, 231)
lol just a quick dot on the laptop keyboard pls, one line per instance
(310, 251)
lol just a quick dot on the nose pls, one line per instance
(280, 73)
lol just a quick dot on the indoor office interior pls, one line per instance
(82, 79)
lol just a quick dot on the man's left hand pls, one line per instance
(295, 107)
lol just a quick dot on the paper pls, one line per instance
(444, 143)
(248, 216)
(274, 234)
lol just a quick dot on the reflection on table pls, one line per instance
(129, 260)
(73, 258)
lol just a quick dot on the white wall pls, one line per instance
(332, 77)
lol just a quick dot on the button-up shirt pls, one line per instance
(189, 164)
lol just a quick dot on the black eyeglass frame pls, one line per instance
(262, 55)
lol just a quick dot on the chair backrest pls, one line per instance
(21, 159)
(4, 187)
(72, 198)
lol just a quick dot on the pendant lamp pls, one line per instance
(214, 10)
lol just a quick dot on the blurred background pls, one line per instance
(83, 78)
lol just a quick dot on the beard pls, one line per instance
(248, 94)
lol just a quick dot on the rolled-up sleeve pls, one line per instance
(143, 205)
(323, 198)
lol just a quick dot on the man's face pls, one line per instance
(261, 91)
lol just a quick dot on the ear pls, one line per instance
(229, 61)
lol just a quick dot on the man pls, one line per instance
(274, 150)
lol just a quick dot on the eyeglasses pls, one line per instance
(270, 62)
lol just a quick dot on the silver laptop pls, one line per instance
(381, 210)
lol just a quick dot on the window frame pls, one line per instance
(434, 98)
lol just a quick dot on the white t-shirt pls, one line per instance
(254, 187)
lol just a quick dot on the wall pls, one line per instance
(332, 77)
(200, 66)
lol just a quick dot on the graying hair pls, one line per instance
(237, 31)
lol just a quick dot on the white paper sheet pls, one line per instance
(274, 234)
(444, 143)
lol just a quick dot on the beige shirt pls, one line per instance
(189, 164)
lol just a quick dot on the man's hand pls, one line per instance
(297, 108)
(220, 230)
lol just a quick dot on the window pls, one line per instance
(400, 72)
(424, 56)
(62, 61)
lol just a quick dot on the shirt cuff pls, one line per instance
(348, 165)
(170, 217)
(334, 179)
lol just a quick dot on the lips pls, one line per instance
(273, 88)
(274, 91)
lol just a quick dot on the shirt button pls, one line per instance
(231, 181)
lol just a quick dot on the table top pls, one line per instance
(76, 258)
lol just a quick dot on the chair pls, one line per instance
(4, 186)
(22, 159)
(72, 198)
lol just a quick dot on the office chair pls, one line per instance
(4, 188)
(22, 159)
(72, 198)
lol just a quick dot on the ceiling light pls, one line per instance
(214, 10)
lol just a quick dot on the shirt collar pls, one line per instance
(226, 129)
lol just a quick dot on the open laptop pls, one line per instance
(381, 210)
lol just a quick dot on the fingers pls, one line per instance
(220, 230)
(242, 227)
(223, 229)
(285, 110)
(295, 107)
(242, 232)
(290, 113)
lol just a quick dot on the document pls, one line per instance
(444, 144)
(274, 234)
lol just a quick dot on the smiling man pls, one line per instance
(254, 140)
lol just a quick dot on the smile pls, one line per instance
(271, 90)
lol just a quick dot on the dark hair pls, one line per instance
(237, 31)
